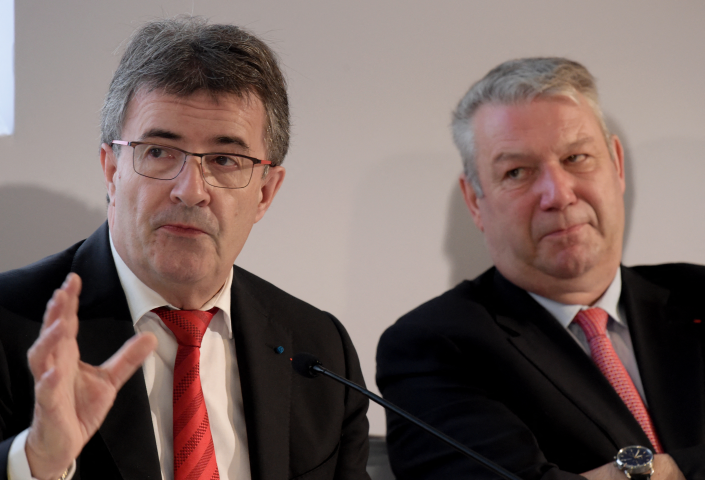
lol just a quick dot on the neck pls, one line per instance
(186, 297)
(583, 290)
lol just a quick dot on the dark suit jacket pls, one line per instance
(486, 364)
(296, 427)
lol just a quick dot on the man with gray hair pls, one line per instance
(216, 396)
(558, 359)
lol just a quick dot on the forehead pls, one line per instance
(199, 117)
(547, 124)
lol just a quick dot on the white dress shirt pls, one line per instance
(220, 381)
(617, 328)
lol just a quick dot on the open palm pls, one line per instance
(72, 397)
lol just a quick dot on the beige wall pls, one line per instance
(369, 222)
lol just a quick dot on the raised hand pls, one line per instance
(72, 397)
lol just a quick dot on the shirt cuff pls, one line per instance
(17, 464)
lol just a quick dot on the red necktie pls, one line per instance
(194, 456)
(593, 321)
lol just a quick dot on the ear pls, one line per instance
(269, 187)
(109, 164)
(471, 201)
(618, 159)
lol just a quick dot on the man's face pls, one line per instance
(181, 236)
(552, 211)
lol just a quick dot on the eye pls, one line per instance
(225, 161)
(577, 158)
(515, 173)
(155, 152)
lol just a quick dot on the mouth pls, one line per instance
(183, 230)
(564, 232)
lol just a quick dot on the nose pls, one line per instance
(556, 188)
(190, 187)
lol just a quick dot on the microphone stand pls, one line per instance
(488, 464)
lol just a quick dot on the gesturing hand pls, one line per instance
(72, 397)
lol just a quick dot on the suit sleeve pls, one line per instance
(427, 374)
(354, 443)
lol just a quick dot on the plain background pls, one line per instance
(369, 222)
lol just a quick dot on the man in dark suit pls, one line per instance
(214, 341)
(557, 357)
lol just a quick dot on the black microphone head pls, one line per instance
(303, 364)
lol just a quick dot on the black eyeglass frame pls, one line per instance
(255, 161)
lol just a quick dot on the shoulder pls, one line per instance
(443, 329)
(671, 274)
(469, 301)
(273, 300)
(685, 282)
(27, 289)
(305, 321)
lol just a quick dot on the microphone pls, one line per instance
(304, 363)
(309, 366)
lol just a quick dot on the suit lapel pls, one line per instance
(556, 354)
(105, 324)
(659, 330)
(265, 378)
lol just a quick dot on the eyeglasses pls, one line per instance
(222, 170)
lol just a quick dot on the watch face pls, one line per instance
(631, 457)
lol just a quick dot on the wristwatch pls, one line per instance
(636, 462)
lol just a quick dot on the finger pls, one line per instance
(120, 367)
(72, 284)
(40, 354)
(69, 292)
(64, 301)
(56, 348)
(53, 310)
(72, 287)
(49, 390)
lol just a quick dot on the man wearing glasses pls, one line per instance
(216, 396)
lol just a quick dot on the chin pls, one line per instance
(571, 258)
(181, 267)
(570, 268)
(567, 264)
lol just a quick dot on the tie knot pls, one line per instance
(593, 321)
(188, 326)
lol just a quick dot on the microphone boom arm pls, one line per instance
(507, 475)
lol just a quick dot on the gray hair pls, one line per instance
(518, 81)
(183, 55)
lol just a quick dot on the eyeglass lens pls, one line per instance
(219, 170)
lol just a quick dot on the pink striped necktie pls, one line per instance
(593, 321)
(194, 455)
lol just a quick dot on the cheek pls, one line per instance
(235, 214)
(139, 198)
(507, 215)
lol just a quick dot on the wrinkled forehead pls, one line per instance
(540, 125)
(247, 98)
(149, 100)
(199, 121)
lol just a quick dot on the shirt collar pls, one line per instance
(141, 299)
(609, 302)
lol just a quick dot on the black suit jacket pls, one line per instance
(296, 427)
(486, 364)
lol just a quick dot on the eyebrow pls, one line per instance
(506, 156)
(228, 140)
(218, 140)
(159, 133)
